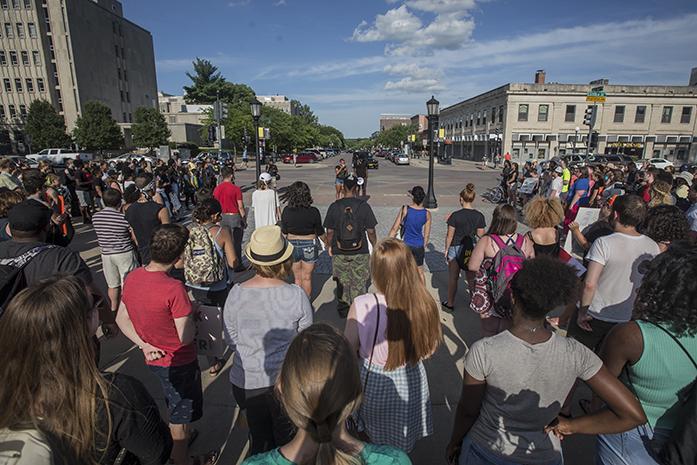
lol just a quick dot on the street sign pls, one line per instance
(441, 133)
(596, 95)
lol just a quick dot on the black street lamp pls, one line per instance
(433, 110)
(256, 114)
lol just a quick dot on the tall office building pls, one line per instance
(70, 52)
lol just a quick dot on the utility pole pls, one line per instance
(218, 114)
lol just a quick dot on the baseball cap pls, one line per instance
(687, 176)
(266, 177)
(558, 169)
(29, 216)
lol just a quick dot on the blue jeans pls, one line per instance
(474, 454)
(305, 250)
(633, 447)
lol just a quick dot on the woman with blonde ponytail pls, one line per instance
(392, 332)
(319, 387)
(544, 216)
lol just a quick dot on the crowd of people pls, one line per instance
(622, 320)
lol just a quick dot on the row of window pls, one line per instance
(13, 111)
(477, 119)
(15, 58)
(9, 30)
(5, 4)
(619, 116)
(20, 86)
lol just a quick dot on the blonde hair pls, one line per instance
(541, 212)
(50, 178)
(280, 271)
(319, 387)
(262, 185)
(468, 194)
(413, 325)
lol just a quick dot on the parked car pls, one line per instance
(660, 163)
(372, 163)
(687, 167)
(575, 159)
(596, 160)
(303, 157)
(59, 156)
(22, 160)
(127, 157)
(400, 159)
(619, 159)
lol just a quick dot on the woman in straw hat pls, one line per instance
(261, 318)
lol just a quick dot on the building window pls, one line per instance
(20, 30)
(40, 85)
(116, 50)
(122, 98)
(13, 58)
(27, 4)
(31, 27)
(36, 57)
(123, 53)
(15, 4)
(113, 27)
(2, 112)
(8, 30)
(501, 114)
(522, 112)
(3, 58)
(484, 118)
(120, 30)
(30, 85)
(128, 97)
(479, 118)
(4, 4)
(686, 115)
(493, 114)
(570, 116)
(13, 111)
(640, 115)
(25, 58)
(125, 75)
(667, 114)
(542, 112)
(18, 85)
(124, 117)
(619, 114)
(118, 73)
(59, 96)
(8, 85)
(23, 110)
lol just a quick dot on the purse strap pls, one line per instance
(375, 340)
(676, 341)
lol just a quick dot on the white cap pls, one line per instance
(266, 177)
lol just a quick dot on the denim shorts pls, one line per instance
(305, 250)
(453, 252)
(339, 182)
(638, 446)
(183, 393)
(474, 454)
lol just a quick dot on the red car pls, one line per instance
(305, 157)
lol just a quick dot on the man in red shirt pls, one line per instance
(234, 214)
(156, 314)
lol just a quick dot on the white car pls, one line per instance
(59, 156)
(401, 159)
(660, 163)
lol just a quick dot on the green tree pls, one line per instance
(394, 137)
(96, 129)
(150, 128)
(303, 111)
(45, 126)
(207, 84)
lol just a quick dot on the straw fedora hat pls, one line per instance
(268, 247)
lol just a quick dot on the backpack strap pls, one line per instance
(498, 241)
(519, 241)
(26, 257)
(677, 341)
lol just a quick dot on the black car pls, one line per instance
(372, 163)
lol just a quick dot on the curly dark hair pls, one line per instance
(543, 284)
(668, 291)
(206, 210)
(298, 195)
(665, 223)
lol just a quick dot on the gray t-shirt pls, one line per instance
(622, 256)
(259, 325)
(526, 385)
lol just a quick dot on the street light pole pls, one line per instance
(256, 114)
(576, 138)
(433, 110)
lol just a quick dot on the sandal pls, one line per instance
(210, 458)
(448, 308)
(217, 367)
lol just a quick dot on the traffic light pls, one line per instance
(223, 111)
(594, 140)
(589, 117)
(211, 134)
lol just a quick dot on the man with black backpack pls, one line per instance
(350, 223)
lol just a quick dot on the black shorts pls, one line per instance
(418, 253)
(183, 392)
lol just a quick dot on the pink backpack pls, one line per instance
(507, 261)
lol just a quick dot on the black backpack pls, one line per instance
(350, 233)
(681, 447)
(12, 279)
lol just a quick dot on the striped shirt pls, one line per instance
(113, 231)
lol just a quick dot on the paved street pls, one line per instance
(387, 188)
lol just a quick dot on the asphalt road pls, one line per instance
(222, 427)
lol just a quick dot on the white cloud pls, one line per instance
(409, 69)
(413, 85)
(396, 25)
(280, 3)
(441, 6)
(236, 3)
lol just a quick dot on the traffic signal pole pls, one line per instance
(218, 114)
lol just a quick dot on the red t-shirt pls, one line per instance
(153, 301)
(228, 194)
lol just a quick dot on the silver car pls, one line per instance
(401, 159)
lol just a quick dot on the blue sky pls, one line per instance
(352, 60)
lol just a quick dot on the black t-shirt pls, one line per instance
(366, 220)
(136, 424)
(83, 181)
(143, 218)
(466, 222)
(301, 221)
(48, 263)
(361, 168)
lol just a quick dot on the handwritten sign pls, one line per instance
(209, 331)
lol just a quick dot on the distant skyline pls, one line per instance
(353, 60)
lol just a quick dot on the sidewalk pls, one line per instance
(457, 165)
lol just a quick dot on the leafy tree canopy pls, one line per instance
(150, 128)
(45, 127)
(394, 137)
(95, 129)
(207, 84)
